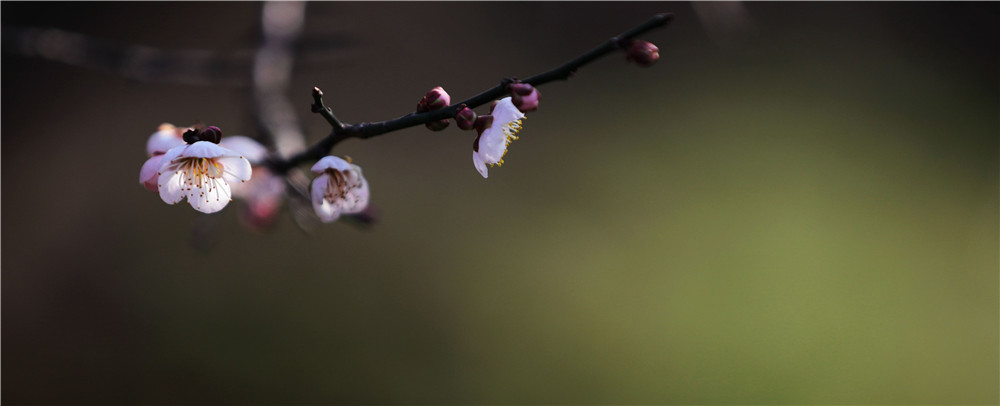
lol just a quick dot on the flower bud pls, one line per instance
(435, 99)
(211, 134)
(642, 53)
(465, 118)
(524, 96)
(437, 125)
(191, 136)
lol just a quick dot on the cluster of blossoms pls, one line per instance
(496, 130)
(208, 170)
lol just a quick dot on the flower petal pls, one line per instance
(169, 157)
(148, 175)
(330, 162)
(236, 169)
(326, 211)
(171, 186)
(163, 140)
(356, 200)
(480, 165)
(246, 146)
(506, 112)
(210, 198)
(206, 149)
(492, 145)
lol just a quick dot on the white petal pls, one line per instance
(206, 149)
(330, 162)
(506, 112)
(246, 146)
(326, 211)
(356, 200)
(492, 144)
(171, 185)
(480, 165)
(210, 199)
(169, 157)
(149, 168)
(236, 169)
(162, 141)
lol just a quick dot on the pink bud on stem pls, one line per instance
(642, 53)
(435, 99)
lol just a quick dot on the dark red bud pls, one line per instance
(522, 89)
(642, 53)
(190, 136)
(465, 118)
(435, 99)
(524, 96)
(211, 134)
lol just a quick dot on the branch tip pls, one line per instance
(364, 130)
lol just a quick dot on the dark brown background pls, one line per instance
(801, 212)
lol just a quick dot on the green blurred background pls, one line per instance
(799, 206)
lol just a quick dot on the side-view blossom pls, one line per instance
(166, 137)
(252, 150)
(202, 172)
(491, 145)
(263, 194)
(339, 188)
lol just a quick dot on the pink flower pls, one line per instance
(166, 137)
(263, 194)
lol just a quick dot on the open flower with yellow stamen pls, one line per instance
(491, 145)
(339, 188)
(201, 171)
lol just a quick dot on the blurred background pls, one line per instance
(797, 204)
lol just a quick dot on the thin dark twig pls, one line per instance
(326, 112)
(343, 131)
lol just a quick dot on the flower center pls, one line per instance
(338, 185)
(204, 175)
(199, 168)
(510, 133)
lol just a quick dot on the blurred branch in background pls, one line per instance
(136, 62)
(281, 24)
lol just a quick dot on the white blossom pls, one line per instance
(202, 172)
(339, 188)
(491, 146)
(166, 137)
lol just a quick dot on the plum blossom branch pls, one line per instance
(342, 131)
